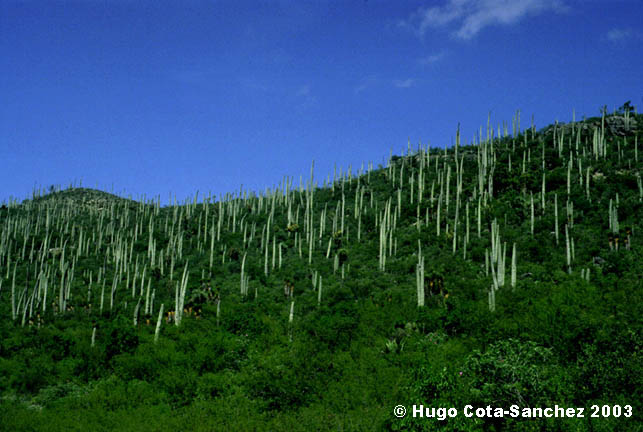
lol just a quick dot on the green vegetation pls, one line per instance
(507, 271)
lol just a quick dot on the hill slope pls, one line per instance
(498, 273)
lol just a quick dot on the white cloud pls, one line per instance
(618, 34)
(404, 83)
(306, 97)
(471, 16)
(365, 83)
(433, 58)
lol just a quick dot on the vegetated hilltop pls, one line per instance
(506, 271)
(80, 197)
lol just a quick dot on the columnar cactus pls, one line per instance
(513, 267)
(419, 277)
(157, 332)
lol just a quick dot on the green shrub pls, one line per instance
(512, 372)
(122, 338)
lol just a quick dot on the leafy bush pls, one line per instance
(122, 338)
(512, 372)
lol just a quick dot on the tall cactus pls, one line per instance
(157, 332)
(513, 267)
(419, 277)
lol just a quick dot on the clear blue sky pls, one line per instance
(159, 97)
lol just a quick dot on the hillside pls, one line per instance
(504, 271)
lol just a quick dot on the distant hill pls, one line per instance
(82, 197)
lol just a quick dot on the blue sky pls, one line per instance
(159, 97)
